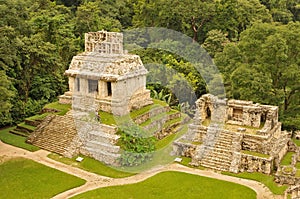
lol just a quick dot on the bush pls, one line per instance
(137, 144)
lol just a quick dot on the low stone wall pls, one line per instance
(33, 122)
(253, 143)
(294, 191)
(184, 148)
(196, 133)
(139, 100)
(287, 179)
(155, 111)
(109, 129)
(250, 163)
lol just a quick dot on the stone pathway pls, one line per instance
(96, 181)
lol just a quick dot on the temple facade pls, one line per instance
(106, 78)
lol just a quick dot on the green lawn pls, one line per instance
(91, 165)
(15, 140)
(38, 116)
(256, 154)
(175, 185)
(27, 126)
(186, 162)
(23, 178)
(267, 180)
(287, 159)
(297, 142)
(298, 165)
(63, 108)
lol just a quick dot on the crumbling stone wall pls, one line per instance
(252, 163)
(269, 140)
(104, 42)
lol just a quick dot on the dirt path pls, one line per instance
(96, 181)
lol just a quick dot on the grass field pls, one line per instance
(287, 159)
(91, 165)
(297, 142)
(267, 180)
(15, 140)
(256, 154)
(63, 108)
(174, 185)
(22, 178)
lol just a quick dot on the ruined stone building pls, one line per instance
(234, 135)
(227, 135)
(105, 78)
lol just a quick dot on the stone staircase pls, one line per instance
(101, 145)
(56, 134)
(219, 156)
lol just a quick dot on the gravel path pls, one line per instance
(96, 181)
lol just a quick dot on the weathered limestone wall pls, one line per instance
(104, 42)
(253, 143)
(130, 94)
(252, 163)
(285, 179)
(98, 140)
(294, 191)
(184, 149)
(155, 111)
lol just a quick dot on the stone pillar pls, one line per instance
(71, 84)
(84, 86)
(102, 89)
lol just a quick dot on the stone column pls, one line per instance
(71, 84)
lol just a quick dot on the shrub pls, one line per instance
(137, 144)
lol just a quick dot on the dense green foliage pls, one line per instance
(137, 144)
(174, 185)
(255, 44)
(23, 178)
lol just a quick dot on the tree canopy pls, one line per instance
(255, 44)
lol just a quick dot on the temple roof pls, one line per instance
(112, 67)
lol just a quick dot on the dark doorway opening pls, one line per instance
(109, 91)
(93, 85)
(208, 112)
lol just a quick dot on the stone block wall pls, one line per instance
(250, 163)
(184, 149)
(253, 143)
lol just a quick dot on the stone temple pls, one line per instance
(103, 78)
(106, 78)
(234, 135)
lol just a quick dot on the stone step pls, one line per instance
(217, 160)
(102, 146)
(103, 156)
(219, 154)
(225, 142)
(55, 149)
(222, 148)
(16, 132)
(55, 133)
(215, 167)
(23, 129)
(102, 137)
